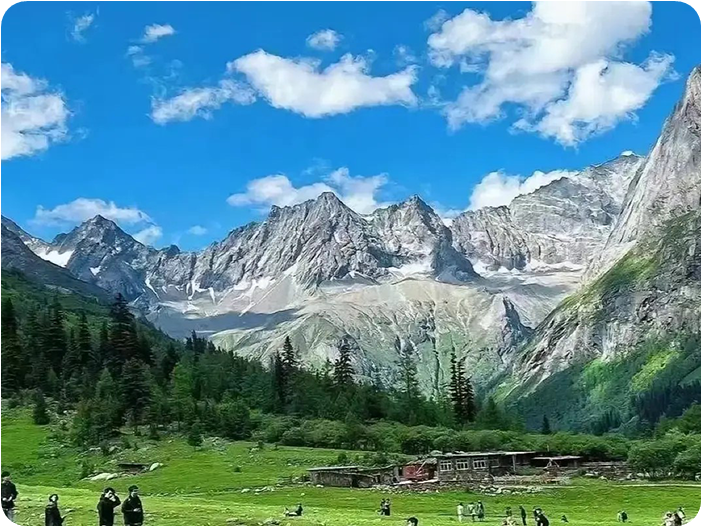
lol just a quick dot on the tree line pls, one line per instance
(114, 369)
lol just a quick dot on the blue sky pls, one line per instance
(184, 120)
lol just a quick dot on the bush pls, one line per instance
(40, 414)
(687, 463)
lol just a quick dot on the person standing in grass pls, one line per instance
(52, 514)
(523, 513)
(480, 510)
(132, 508)
(9, 495)
(106, 506)
(459, 511)
(471, 511)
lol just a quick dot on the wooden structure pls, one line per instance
(354, 476)
(456, 466)
(556, 462)
(419, 470)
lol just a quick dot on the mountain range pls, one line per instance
(583, 269)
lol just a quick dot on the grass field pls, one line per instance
(209, 486)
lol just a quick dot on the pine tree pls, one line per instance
(456, 388)
(195, 435)
(469, 409)
(410, 384)
(135, 390)
(289, 357)
(279, 383)
(84, 344)
(168, 362)
(54, 337)
(343, 369)
(40, 414)
(123, 342)
(13, 363)
(545, 426)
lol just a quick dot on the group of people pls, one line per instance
(674, 518)
(132, 509)
(384, 507)
(474, 510)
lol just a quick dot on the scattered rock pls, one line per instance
(244, 491)
(104, 476)
(154, 466)
(270, 521)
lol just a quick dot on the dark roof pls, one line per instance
(557, 458)
(482, 454)
(333, 469)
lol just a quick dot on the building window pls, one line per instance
(463, 465)
(479, 463)
(445, 466)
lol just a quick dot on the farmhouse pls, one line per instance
(454, 466)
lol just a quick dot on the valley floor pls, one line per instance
(225, 483)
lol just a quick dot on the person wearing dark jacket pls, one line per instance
(131, 508)
(106, 506)
(9, 495)
(522, 511)
(52, 514)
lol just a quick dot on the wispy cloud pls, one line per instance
(324, 40)
(154, 32)
(79, 25)
(358, 192)
(33, 116)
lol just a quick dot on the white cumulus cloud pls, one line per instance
(301, 86)
(33, 116)
(197, 230)
(80, 25)
(558, 62)
(358, 192)
(498, 188)
(200, 102)
(325, 40)
(149, 235)
(82, 209)
(154, 32)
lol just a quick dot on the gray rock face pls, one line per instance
(564, 222)
(666, 186)
(17, 256)
(646, 284)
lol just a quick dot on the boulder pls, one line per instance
(104, 476)
(154, 466)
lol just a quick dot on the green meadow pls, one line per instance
(237, 483)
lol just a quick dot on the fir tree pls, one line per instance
(343, 369)
(279, 383)
(13, 363)
(468, 394)
(195, 435)
(54, 337)
(135, 390)
(40, 413)
(456, 388)
(123, 342)
(545, 426)
(289, 357)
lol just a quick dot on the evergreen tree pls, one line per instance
(545, 426)
(234, 419)
(40, 414)
(469, 409)
(279, 383)
(13, 363)
(289, 357)
(168, 362)
(195, 435)
(456, 388)
(84, 344)
(135, 390)
(123, 342)
(183, 399)
(343, 369)
(54, 337)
